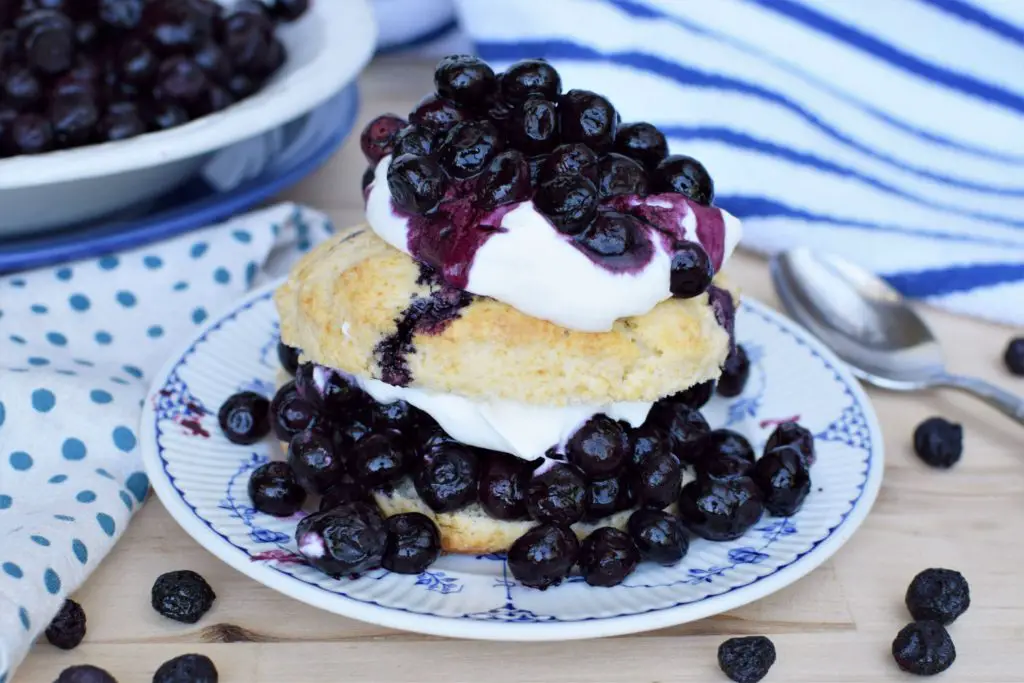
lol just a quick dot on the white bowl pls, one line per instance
(326, 50)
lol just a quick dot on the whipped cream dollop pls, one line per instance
(526, 431)
(523, 261)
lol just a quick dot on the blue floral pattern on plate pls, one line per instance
(467, 596)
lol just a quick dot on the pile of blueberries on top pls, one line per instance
(80, 72)
(343, 445)
(485, 140)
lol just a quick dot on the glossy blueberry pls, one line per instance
(569, 159)
(695, 397)
(532, 126)
(684, 427)
(940, 595)
(414, 543)
(379, 136)
(182, 596)
(246, 37)
(123, 15)
(464, 79)
(179, 79)
(735, 373)
(793, 434)
(136, 62)
(328, 392)
(607, 557)
(557, 493)
(84, 673)
(345, 540)
(599, 448)
(658, 536)
(165, 115)
(436, 113)
(720, 509)
(74, 116)
(48, 41)
(313, 458)
(656, 480)
(924, 648)
(607, 496)
(447, 477)
(691, 272)
(67, 629)
(506, 180)
(395, 415)
(345, 490)
(686, 176)
(502, 487)
(26, 134)
(417, 184)
(543, 556)
(587, 117)
(611, 234)
(619, 175)
(570, 201)
(275, 490)
(120, 123)
(646, 440)
(380, 459)
(245, 417)
(747, 659)
(783, 480)
(415, 140)
(643, 142)
(190, 668)
(530, 77)
(1014, 356)
(939, 442)
(288, 357)
(723, 453)
(213, 60)
(20, 88)
(289, 413)
(469, 147)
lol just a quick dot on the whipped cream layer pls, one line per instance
(526, 431)
(526, 263)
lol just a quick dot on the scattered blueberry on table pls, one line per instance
(747, 659)
(939, 442)
(84, 673)
(923, 648)
(67, 629)
(940, 595)
(183, 595)
(191, 668)
(1014, 356)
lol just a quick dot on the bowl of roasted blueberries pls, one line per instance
(105, 104)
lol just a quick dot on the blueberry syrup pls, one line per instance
(666, 213)
(725, 312)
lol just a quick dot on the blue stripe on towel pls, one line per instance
(973, 14)
(955, 279)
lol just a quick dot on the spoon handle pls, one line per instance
(1012, 405)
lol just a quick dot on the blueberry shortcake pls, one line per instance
(511, 355)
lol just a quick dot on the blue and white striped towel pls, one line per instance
(889, 131)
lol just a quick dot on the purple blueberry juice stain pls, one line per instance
(665, 214)
(725, 312)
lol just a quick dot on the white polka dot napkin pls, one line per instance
(79, 344)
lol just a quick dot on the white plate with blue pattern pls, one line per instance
(201, 479)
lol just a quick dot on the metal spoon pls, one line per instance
(871, 327)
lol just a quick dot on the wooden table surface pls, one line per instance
(835, 625)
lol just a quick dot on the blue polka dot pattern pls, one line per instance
(86, 497)
(18, 282)
(38, 362)
(17, 339)
(126, 299)
(250, 272)
(73, 449)
(106, 523)
(103, 473)
(155, 332)
(51, 581)
(198, 249)
(138, 484)
(3, 414)
(39, 308)
(101, 397)
(221, 276)
(43, 400)
(124, 439)
(242, 236)
(5, 501)
(79, 302)
(56, 338)
(21, 461)
(58, 479)
(153, 262)
(180, 286)
(41, 540)
(199, 315)
(119, 380)
(133, 371)
(23, 615)
(64, 274)
(84, 363)
(109, 262)
(80, 551)
(64, 518)
(12, 570)
(126, 499)
(104, 337)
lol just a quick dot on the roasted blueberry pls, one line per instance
(611, 234)
(191, 668)
(84, 673)
(245, 417)
(469, 147)
(557, 494)
(735, 373)
(657, 479)
(312, 457)
(246, 38)
(27, 134)
(747, 659)
(165, 115)
(212, 59)
(502, 487)
(414, 543)
(289, 357)
(607, 557)
(464, 79)
(415, 140)
(447, 478)
(587, 117)
(924, 648)
(136, 62)
(1014, 356)
(684, 427)
(599, 448)
(506, 180)
(67, 629)
(696, 396)
(345, 490)
(940, 595)
(274, 490)
(720, 509)
(692, 270)
(570, 159)
(436, 113)
(74, 116)
(379, 136)
(123, 15)
(48, 41)
(172, 26)
(530, 77)
(647, 440)
(289, 413)
(180, 80)
(607, 496)
(543, 556)
(620, 175)
(347, 539)
(658, 536)
(417, 184)
(643, 142)
(182, 595)
(723, 453)
(686, 176)
(939, 442)
(792, 434)
(380, 459)
(570, 201)
(121, 121)
(21, 88)
(532, 126)
(783, 480)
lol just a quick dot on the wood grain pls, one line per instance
(835, 626)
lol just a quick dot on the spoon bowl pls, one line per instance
(871, 326)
